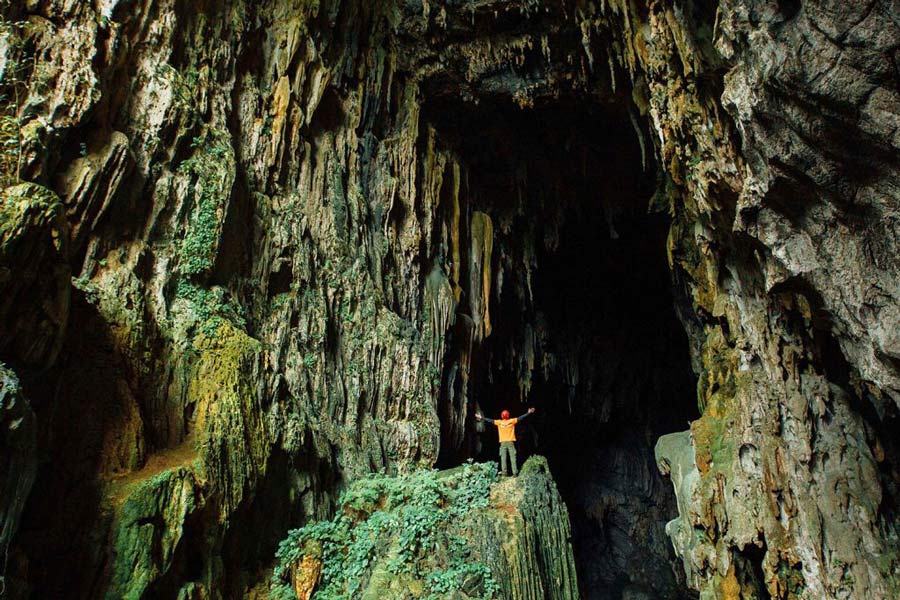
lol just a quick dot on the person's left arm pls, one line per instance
(526, 415)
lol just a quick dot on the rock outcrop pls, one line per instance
(523, 535)
(252, 251)
(437, 534)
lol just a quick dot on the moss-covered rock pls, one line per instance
(260, 230)
(523, 535)
(459, 534)
(229, 424)
(148, 526)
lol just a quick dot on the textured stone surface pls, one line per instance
(306, 235)
(524, 536)
(34, 275)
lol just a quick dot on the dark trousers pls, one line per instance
(508, 449)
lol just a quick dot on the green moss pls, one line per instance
(790, 579)
(228, 422)
(147, 529)
(17, 82)
(10, 144)
(281, 300)
(718, 384)
(664, 198)
(889, 566)
(186, 85)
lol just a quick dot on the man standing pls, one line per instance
(506, 428)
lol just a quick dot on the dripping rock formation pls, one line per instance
(254, 251)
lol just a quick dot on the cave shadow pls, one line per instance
(59, 546)
(584, 327)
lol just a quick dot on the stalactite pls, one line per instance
(440, 298)
(480, 268)
(455, 257)
(640, 136)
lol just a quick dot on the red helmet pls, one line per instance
(504, 414)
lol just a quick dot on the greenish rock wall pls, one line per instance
(524, 536)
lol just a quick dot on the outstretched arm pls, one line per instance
(527, 414)
(479, 417)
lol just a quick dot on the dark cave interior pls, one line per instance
(584, 325)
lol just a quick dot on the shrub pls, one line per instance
(417, 516)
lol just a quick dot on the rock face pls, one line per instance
(523, 536)
(19, 462)
(251, 251)
(437, 534)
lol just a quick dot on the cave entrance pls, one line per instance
(584, 324)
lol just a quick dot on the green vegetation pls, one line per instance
(211, 307)
(145, 551)
(24, 206)
(790, 579)
(408, 529)
(211, 169)
(212, 165)
(10, 145)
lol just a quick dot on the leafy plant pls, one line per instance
(211, 307)
(417, 516)
(210, 167)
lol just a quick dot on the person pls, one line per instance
(506, 428)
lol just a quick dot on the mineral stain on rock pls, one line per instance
(259, 256)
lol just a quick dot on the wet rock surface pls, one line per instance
(253, 251)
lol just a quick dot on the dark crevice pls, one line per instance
(281, 279)
(749, 572)
(789, 8)
(64, 521)
(265, 520)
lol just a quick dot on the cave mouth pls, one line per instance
(584, 325)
